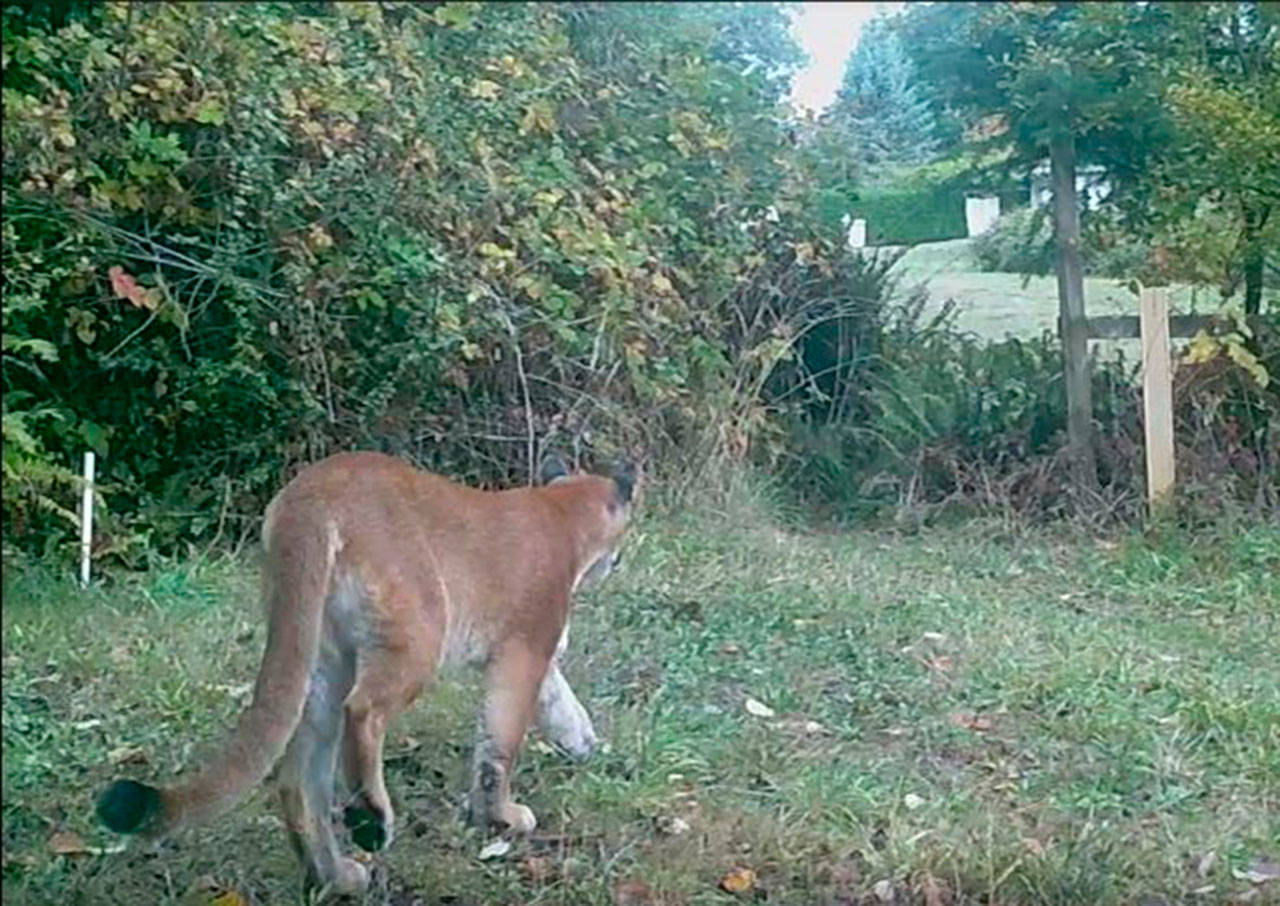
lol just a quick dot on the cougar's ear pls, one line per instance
(623, 474)
(553, 467)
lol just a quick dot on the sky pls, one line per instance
(828, 33)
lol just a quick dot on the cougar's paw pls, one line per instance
(581, 744)
(370, 829)
(519, 818)
(350, 879)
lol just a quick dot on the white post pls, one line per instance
(86, 519)
(980, 214)
(1157, 395)
(857, 235)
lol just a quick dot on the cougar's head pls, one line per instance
(613, 494)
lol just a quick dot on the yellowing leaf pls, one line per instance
(740, 880)
(1202, 348)
(538, 117)
(486, 90)
(230, 897)
(493, 250)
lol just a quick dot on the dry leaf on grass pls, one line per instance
(883, 891)
(912, 801)
(495, 850)
(758, 708)
(230, 897)
(740, 880)
(934, 892)
(672, 826)
(630, 892)
(1206, 863)
(1259, 872)
(970, 721)
(127, 755)
(537, 869)
(65, 843)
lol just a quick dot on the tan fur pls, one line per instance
(376, 572)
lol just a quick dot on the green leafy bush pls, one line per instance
(1021, 242)
(240, 237)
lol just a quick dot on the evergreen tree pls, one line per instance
(880, 106)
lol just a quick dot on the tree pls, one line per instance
(880, 107)
(1071, 82)
(1223, 169)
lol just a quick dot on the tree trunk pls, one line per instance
(1072, 327)
(1254, 257)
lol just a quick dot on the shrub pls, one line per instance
(1021, 242)
(241, 237)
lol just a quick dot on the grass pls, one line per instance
(962, 716)
(997, 305)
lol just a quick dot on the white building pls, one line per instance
(1091, 184)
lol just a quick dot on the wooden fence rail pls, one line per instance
(1154, 327)
(1127, 327)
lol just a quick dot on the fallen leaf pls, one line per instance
(730, 648)
(127, 755)
(1259, 872)
(630, 892)
(935, 893)
(536, 868)
(672, 826)
(883, 891)
(1206, 863)
(26, 860)
(86, 724)
(231, 897)
(1263, 870)
(970, 721)
(740, 880)
(912, 801)
(495, 850)
(1202, 891)
(758, 708)
(933, 637)
(65, 843)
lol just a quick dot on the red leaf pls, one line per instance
(126, 287)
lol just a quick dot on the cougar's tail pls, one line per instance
(296, 583)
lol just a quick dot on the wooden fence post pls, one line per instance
(1157, 395)
(1073, 326)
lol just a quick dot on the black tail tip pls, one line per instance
(128, 807)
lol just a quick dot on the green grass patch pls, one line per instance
(996, 718)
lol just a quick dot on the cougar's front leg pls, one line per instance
(561, 717)
(513, 679)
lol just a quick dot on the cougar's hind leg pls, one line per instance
(513, 679)
(306, 785)
(388, 679)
